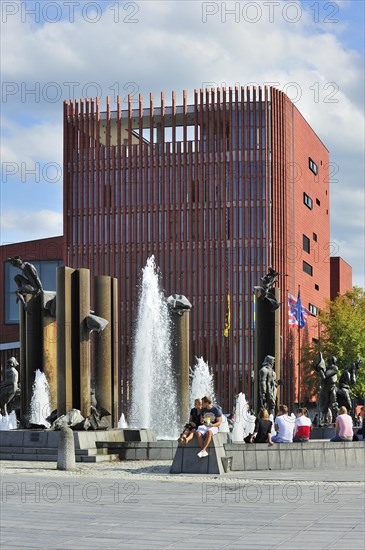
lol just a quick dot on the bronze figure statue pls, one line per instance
(268, 385)
(264, 291)
(27, 283)
(347, 379)
(9, 388)
(327, 396)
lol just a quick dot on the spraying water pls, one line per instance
(202, 382)
(8, 421)
(154, 388)
(40, 405)
(122, 422)
(244, 421)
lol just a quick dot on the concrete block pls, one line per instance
(318, 457)
(274, 459)
(329, 457)
(163, 444)
(11, 438)
(142, 453)
(53, 438)
(186, 458)
(286, 460)
(262, 458)
(34, 438)
(161, 454)
(238, 462)
(127, 454)
(307, 457)
(177, 464)
(249, 457)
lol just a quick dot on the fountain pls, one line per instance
(244, 421)
(40, 404)
(154, 387)
(8, 421)
(202, 382)
(122, 423)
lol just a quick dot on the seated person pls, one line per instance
(194, 421)
(344, 431)
(361, 431)
(284, 426)
(303, 425)
(262, 430)
(211, 418)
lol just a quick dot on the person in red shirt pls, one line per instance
(303, 426)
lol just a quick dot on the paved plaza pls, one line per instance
(135, 505)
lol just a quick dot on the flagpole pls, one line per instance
(298, 353)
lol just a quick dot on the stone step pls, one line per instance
(53, 457)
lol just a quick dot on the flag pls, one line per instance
(227, 323)
(297, 314)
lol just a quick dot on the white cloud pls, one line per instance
(17, 225)
(170, 48)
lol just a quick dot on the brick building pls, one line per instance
(218, 189)
(46, 255)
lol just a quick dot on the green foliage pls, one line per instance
(343, 333)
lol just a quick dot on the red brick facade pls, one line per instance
(341, 277)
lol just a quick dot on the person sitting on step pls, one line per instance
(211, 419)
(303, 426)
(284, 426)
(194, 421)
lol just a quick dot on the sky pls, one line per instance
(52, 51)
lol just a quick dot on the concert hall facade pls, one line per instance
(218, 187)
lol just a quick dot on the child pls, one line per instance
(194, 421)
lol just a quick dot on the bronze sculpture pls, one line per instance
(327, 400)
(268, 385)
(264, 292)
(347, 379)
(9, 388)
(27, 283)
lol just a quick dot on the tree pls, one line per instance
(343, 333)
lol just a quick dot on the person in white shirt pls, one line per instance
(284, 426)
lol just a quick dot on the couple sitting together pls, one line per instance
(204, 421)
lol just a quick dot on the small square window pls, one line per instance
(318, 202)
(313, 309)
(315, 237)
(313, 166)
(306, 244)
(307, 268)
(316, 287)
(307, 201)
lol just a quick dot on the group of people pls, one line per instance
(205, 419)
(297, 429)
(288, 427)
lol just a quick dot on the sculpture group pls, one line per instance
(333, 396)
(55, 339)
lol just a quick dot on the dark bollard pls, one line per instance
(66, 450)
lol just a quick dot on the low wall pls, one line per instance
(140, 450)
(43, 444)
(186, 460)
(296, 456)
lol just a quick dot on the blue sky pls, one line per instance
(108, 47)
